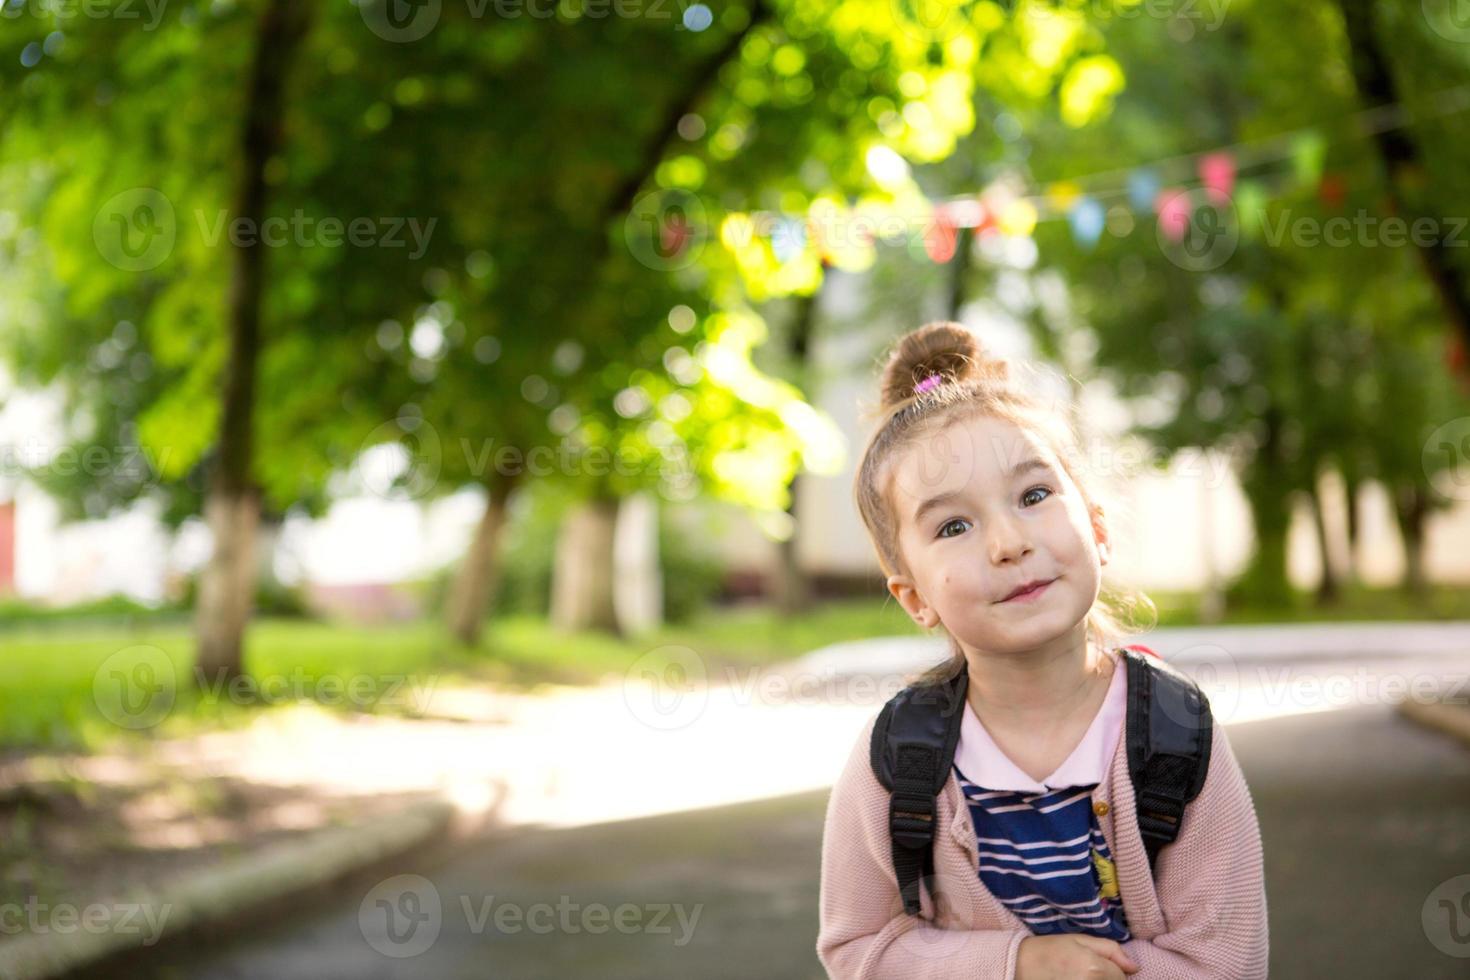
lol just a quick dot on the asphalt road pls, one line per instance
(1363, 814)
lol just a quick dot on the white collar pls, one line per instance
(984, 764)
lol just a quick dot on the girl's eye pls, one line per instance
(1046, 490)
(952, 527)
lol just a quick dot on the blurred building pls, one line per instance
(1178, 525)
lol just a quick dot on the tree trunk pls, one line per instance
(479, 571)
(227, 587)
(233, 505)
(793, 590)
(267, 541)
(582, 579)
(1352, 489)
(1212, 596)
(1327, 584)
(1265, 581)
(1411, 509)
(959, 272)
(1402, 160)
(637, 578)
(794, 594)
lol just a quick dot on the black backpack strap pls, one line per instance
(1169, 730)
(913, 746)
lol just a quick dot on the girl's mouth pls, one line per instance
(1031, 594)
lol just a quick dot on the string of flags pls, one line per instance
(1242, 177)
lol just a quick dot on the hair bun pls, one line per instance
(944, 348)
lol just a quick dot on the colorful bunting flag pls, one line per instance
(1087, 218)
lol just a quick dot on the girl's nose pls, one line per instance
(1007, 541)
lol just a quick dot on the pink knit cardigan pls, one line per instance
(1204, 916)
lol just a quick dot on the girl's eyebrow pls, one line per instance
(1027, 464)
(1024, 466)
(933, 502)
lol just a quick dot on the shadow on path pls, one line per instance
(1362, 813)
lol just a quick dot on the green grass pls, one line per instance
(82, 684)
(1355, 605)
(61, 685)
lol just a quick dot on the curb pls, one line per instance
(1450, 719)
(1182, 646)
(233, 888)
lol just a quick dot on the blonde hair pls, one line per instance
(939, 374)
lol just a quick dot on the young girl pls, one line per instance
(974, 499)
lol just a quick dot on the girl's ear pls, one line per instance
(1100, 533)
(902, 588)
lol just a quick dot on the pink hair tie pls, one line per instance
(932, 381)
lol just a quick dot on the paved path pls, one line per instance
(1363, 816)
(1294, 642)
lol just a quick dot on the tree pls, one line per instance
(1285, 354)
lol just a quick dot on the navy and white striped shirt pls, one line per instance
(1041, 851)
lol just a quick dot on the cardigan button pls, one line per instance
(1100, 808)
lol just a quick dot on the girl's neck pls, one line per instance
(1035, 689)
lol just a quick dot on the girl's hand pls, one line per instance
(1067, 956)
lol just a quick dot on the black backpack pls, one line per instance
(1168, 734)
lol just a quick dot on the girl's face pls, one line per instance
(983, 508)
